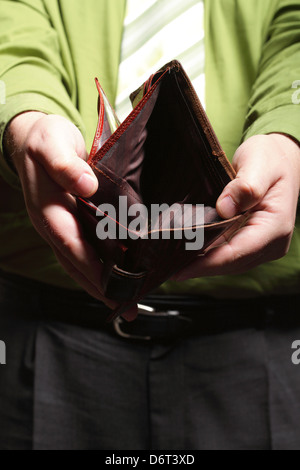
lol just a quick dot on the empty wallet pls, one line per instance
(164, 156)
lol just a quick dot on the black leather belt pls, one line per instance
(169, 324)
(164, 318)
(161, 318)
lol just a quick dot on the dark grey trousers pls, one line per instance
(67, 387)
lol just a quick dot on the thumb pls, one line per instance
(59, 147)
(253, 180)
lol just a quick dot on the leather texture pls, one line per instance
(165, 152)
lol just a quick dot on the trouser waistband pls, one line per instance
(172, 316)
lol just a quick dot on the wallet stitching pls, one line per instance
(205, 140)
(124, 126)
(205, 123)
(216, 148)
(109, 178)
(117, 184)
(223, 222)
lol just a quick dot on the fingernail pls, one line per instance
(227, 208)
(86, 185)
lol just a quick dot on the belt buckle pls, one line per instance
(146, 311)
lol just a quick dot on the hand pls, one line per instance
(49, 155)
(267, 185)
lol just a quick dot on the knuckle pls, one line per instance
(63, 171)
(67, 245)
(256, 193)
(35, 219)
(38, 139)
(285, 246)
(32, 146)
(46, 224)
(283, 242)
(239, 258)
(287, 228)
(45, 132)
(60, 165)
(52, 231)
(251, 190)
(282, 250)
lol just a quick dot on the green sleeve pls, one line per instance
(32, 71)
(271, 108)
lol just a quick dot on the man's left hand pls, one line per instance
(267, 187)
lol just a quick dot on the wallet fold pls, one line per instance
(165, 154)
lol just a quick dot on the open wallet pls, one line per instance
(164, 155)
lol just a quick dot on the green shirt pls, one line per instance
(50, 52)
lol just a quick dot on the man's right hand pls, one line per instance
(49, 155)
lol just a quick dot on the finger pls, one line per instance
(93, 290)
(67, 236)
(59, 147)
(82, 280)
(237, 255)
(76, 275)
(53, 213)
(130, 314)
(255, 176)
(225, 238)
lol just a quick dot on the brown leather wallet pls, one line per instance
(164, 153)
